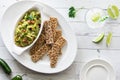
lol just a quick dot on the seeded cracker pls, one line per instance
(40, 53)
(38, 44)
(54, 25)
(54, 22)
(50, 42)
(58, 34)
(53, 53)
(48, 33)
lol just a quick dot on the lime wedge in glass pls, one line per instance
(113, 11)
(99, 38)
(95, 17)
(108, 40)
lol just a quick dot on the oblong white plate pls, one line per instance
(69, 51)
(97, 70)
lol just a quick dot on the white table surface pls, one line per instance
(87, 50)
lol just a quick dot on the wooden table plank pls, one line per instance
(78, 3)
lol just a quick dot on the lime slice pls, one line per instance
(99, 38)
(95, 17)
(108, 40)
(113, 11)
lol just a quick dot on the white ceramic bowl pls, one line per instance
(19, 50)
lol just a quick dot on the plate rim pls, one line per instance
(90, 65)
(27, 66)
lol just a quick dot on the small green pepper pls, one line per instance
(17, 77)
(5, 66)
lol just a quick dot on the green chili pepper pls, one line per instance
(17, 77)
(5, 66)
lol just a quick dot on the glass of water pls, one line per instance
(94, 18)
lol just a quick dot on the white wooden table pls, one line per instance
(86, 49)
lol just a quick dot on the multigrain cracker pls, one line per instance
(58, 34)
(60, 42)
(48, 33)
(41, 40)
(50, 42)
(54, 52)
(40, 53)
(54, 34)
(53, 59)
(54, 25)
(54, 22)
(38, 44)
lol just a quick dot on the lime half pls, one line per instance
(99, 38)
(95, 17)
(108, 40)
(113, 11)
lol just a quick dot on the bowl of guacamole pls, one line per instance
(27, 28)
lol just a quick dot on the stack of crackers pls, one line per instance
(50, 42)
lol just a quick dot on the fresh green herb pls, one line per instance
(103, 18)
(30, 17)
(73, 11)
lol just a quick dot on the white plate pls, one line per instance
(97, 70)
(69, 51)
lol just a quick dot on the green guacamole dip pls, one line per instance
(27, 28)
